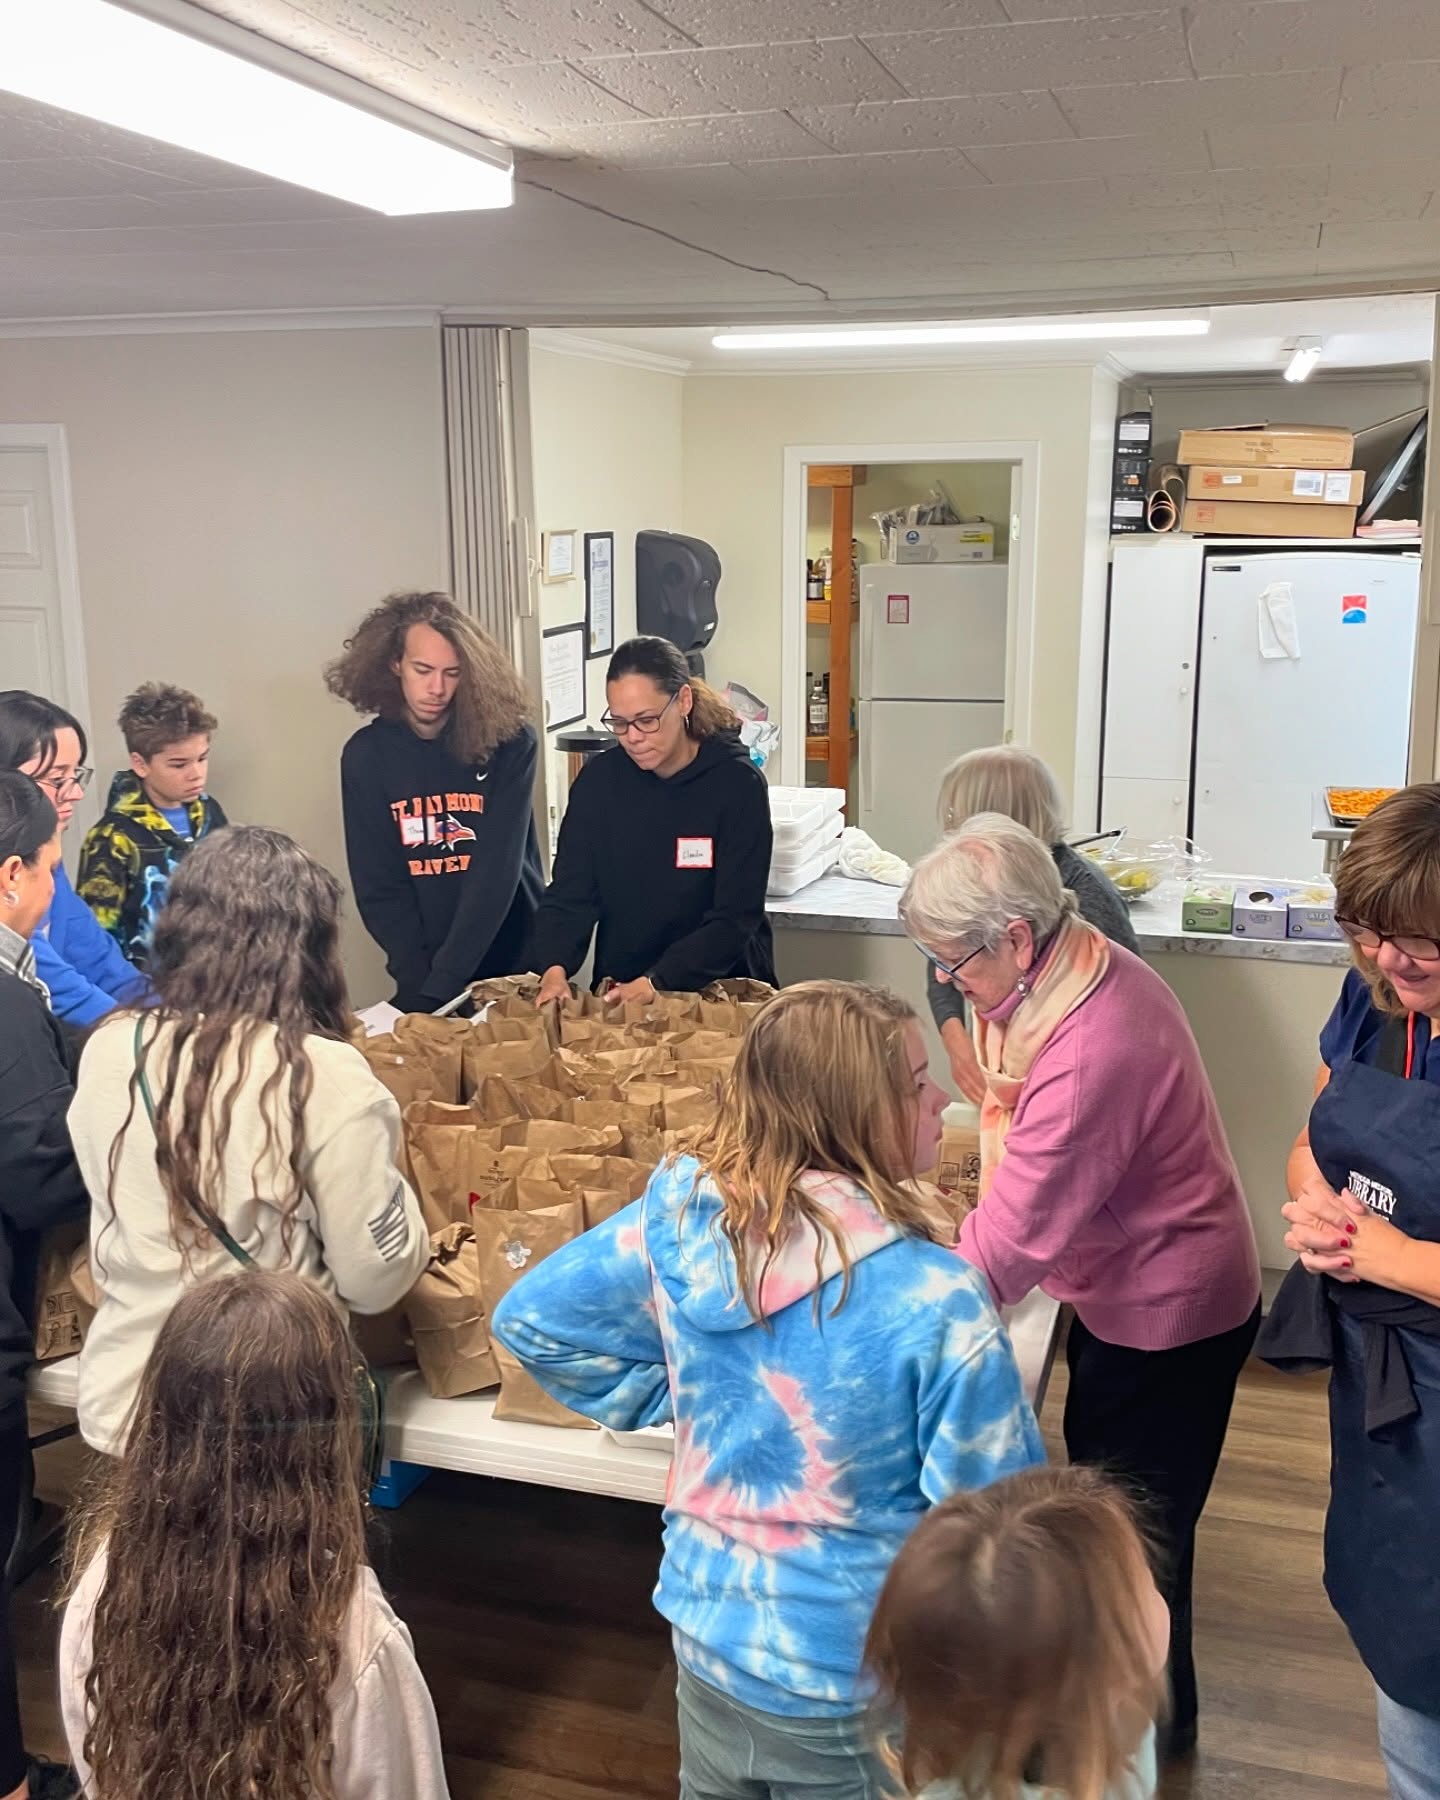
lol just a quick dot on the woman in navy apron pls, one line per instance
(1364, 1299)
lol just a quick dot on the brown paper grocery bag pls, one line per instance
(521, 1059)
(509, 1244)
(507, 992)
(447, 1318)
(382, 1338)
(689, 1109)
(958, 1170)
(442, 1042)
(743, 990)
(408, 1074)
(61, 1315)
(498, 1100)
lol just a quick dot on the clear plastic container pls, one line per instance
(797, 813)
(785, 859)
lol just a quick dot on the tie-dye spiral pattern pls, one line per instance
(806, 1446)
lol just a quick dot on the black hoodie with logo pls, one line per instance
(443, 857)
(669, 872)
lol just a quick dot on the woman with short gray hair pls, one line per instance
(1009, 779)
(1105, 1180)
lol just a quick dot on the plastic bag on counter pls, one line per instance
(1139, 868)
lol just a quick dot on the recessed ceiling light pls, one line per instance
(1307, 354)
(189, 79)
(1029, 331)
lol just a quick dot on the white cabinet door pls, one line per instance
(1150, 667)
(1146, 810)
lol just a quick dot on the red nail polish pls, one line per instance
(1347, 1263)
(1345, 1243)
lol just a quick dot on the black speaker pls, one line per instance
(675, 582)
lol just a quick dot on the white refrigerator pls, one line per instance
(931, 686)
(1305, 669)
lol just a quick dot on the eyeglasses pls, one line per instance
(1365, 937)
(79, 778)
(949, 970)
(647, 724)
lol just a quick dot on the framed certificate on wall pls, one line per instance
(562, 662)
(599, 593)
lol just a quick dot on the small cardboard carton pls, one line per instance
(1261, 911)
(1267, 518)
(1269, 447)
(1208, 906)
(943, 543)
(1280, 487)
(1311, 913)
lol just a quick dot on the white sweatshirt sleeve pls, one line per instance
(387, 1738)
(368, 1220)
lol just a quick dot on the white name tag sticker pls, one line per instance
(694, 853)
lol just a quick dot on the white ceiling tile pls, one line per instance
(706, 184)
(1390, 88)
(1359, 140)
(1091, 156)
(72, 211)
(1025, 12)
(670, 143)
(1004, 59)
(1191, 105)
(774, 21)
(853, 177)
(936, 124)
(40, 178)
(374, 38)
(272, 202)
(692, 83)
(1240, 37)
(135, 240)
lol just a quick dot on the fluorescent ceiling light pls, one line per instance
(204, 85)
(1307, 354)
(1035, 331)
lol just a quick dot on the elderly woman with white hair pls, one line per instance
(1008, 779)
(1105, 1179)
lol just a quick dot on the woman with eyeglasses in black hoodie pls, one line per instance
(664, 849)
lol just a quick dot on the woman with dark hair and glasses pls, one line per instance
(1364, 1299)
(40, 1186)
(80, 964)
(665, 850)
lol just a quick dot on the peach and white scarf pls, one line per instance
(1007, 1047)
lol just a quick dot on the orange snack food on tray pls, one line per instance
(1349, 805)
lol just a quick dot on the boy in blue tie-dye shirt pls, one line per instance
(831, 1367)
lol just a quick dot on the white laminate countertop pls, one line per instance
(835, 903)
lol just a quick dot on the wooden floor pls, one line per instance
(553, 1680)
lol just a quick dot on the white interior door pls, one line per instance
(41, 646)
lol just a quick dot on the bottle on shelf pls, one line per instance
(818, 711)
(814, 581)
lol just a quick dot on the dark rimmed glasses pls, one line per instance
(1366, 937)
(647, 724)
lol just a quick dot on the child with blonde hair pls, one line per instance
(831, 1369)
(1020, 1645)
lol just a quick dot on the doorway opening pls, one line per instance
(918, 645)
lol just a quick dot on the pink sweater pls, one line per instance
(1117, 1191)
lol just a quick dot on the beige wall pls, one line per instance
(736, 431)
(607, 454)
(978, 490)
(240, 498)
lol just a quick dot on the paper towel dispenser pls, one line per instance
(675, 582)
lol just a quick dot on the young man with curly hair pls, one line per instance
(157, 811)
(438, 797)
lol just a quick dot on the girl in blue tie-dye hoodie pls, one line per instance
(832, 1370)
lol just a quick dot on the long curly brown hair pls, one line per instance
(490, 702)
(233, 1529)
(822, 1081)
(245, 962)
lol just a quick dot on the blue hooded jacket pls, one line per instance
(808, 1445)
(80, 963)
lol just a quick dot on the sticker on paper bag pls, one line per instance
(897, 609)
(1354, 609)
(695, 853)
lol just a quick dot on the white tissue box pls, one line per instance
(1261, 911)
